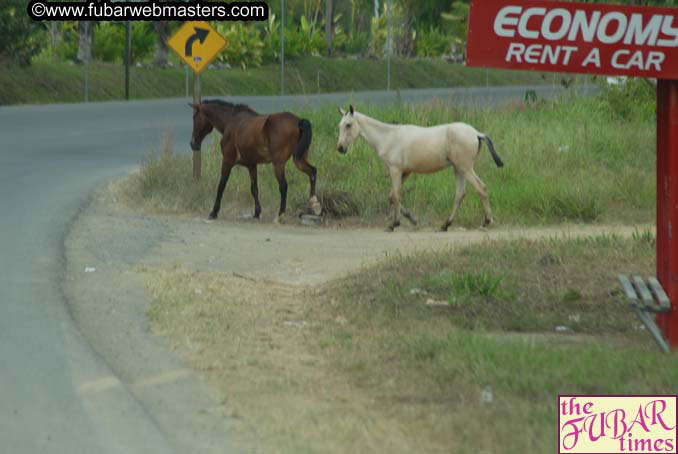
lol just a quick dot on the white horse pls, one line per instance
(407, 149)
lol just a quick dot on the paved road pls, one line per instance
(51, 158)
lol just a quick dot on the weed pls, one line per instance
(645, 237)
(477, 284)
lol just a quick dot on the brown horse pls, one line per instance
(249, 139)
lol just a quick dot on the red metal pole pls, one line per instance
(667, 203)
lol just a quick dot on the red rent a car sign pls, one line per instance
(574, 37)
(599, 39)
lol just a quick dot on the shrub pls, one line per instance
(109, 41)
(303, 40)
(630, 99)
(67, 48)
(356, 43)
(432, 43)
(271, 48)
(245, 46)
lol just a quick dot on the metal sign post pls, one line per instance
(128, 55)
(197, 43)
(197, 158)
(598, 39)
(88, 51)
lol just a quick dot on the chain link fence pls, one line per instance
(304, 47)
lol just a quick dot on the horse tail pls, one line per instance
(485, 138)
(305, 136)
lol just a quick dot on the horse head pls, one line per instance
(349, 130)
(201, 126)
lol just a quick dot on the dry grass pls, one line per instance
(255, 344)
(364, 365)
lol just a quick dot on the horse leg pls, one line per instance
(254, 187)
(226, 167)
(404, 210)
(312, 172)
(482, 191)
(396, 182)
(458, 198)
(309, 170)
(279, 169)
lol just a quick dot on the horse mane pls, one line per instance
(230, 105)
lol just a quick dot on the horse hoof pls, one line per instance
(316, 208)
(444, 228)
(487, 223)
(389, 229)
(213, 216)
(280, 219)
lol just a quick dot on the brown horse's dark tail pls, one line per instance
(305, 136)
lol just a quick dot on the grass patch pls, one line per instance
(491, 364)
(572, 160)
(47, 82)
(363, 364)
(523, 286)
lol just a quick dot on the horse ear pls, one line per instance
(350, 108)
(341, 111)
(193, 106)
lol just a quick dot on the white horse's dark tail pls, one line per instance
(490, 145)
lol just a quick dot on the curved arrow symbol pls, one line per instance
(200, 34)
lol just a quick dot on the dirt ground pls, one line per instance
(266, 381)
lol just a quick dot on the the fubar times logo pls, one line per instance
(617, 424)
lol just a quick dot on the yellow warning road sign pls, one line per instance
(197, 43)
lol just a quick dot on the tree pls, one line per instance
(54, 31)
(329, 22)
(85, 34)
(406, 46)
(19, 40)
(162, 32)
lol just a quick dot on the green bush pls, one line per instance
(356, 43)
(245, 45)
(432, 43)
(143, 41)
(630, 99)
(271, 48)
(300, 41)
(108, 42)
(340, 39)
(67, 48)
(307, 39)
